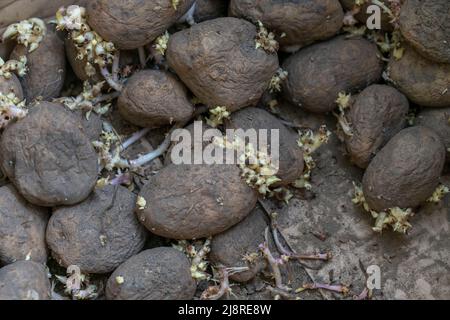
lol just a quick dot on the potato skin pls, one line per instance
(153, 99)
(319, 72)
(24, 280)
(48, 157)
(436, 119)
(22, 228)
(210, 9)
(302, 22)
(425, 25)
(11, 85)
(218, 62)
(155, 274)
(377, 114)
(406, 171)
(424, 82)
(132, 24)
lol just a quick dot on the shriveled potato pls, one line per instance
(98, 234)
(11, 85)
(300, 22)
(210, 9)
(438, 120)
(155, 274)
(195, 201)
(291, 156)
(48, 157)
(24, 280)
(153, 99)
(425, 24)
(134, 23)
(318, 73)
(424, 82)
(406, 171)
(218, 60)
(377, 114)
(362, 15)
(22, 228)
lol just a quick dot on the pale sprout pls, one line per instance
(198, 257)
(18, 66)
(266, 40)
(161, 43)
(29, 33)
(217, 116)
(343, 101)
(438, 194)
(11, 108)
(277, 79)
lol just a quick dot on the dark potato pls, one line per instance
(195, 201)
(24, 280)
(134, 23)
(425, 24)
(218, 60)
(438, 120)
(377, 114)
(301, 22)
(406, 171)
(318, 73)
(22, 228)
(362, 15)
(210, 9)
(155, 274)
(153, 99)
(48, 158)
(11, 85)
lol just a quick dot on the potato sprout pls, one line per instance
(199, 264)
(217, 115)
(175, 4)
(266, 40)
(20, 67)
(11, 108)
(277, 79)
(110, 158)
(438, 194)
(29, 33)
(343, 101)
(78, 287)
(141, 203)
(161, 43)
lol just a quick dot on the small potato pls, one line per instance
(24, 280)
(318, 73)
(218, 60)
(195, 201)
(48, 157)
(210, 9)
(153, 99)
(134, 23)
(406, 171)
(362, 15)
(155, 274)
(424, 82)
(22, 228)
(377, 114)
(11, 85)
(438, 120)
(79, 66)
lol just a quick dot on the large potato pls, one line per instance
(210, 9)
(218, 60)
(318, 73)
(11, 85)
(406, 171)
(438, 120)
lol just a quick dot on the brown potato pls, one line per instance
(92, 126)
(22, 228)
(134, 23)
(217, 59)
(153, 99)
(301, 22)
(210, 9)
(362, 15)
(425, 25)
(48, 158)
(24, 280)
(155, 274)
(318, 73)
(377, 114)
(438, 120)
(406, 171)
(78, 66)
(195, 201)
(11, 85)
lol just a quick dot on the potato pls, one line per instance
(22, 228)
(153, 99)
(134, 23)
(424, 82)
(438, 120)
(24, 280)
(218, 60)
(195, 201)
(301, 22)
(291, 155)
(98, 234)
(377, 114)
(318, 73)
(210, 9)
(155, 274)
(48, 157)
(11, 85)
(78, 66)
(362, 15)
(425, 25)
(92, 126)
(406, 171)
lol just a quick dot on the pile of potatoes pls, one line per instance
(62, 206)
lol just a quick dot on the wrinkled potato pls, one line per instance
(11, 85)
(406, 171)
(438, 120)
(155, 274)
(301, 22)
(425, 25)
(210, 9)
(48, 157)
(22, 228)
(318, 73)
(24, 280)
(195, 201)
(134, 23)
(218, 60)
(362, 15)
(377, 114)
(153, 99)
